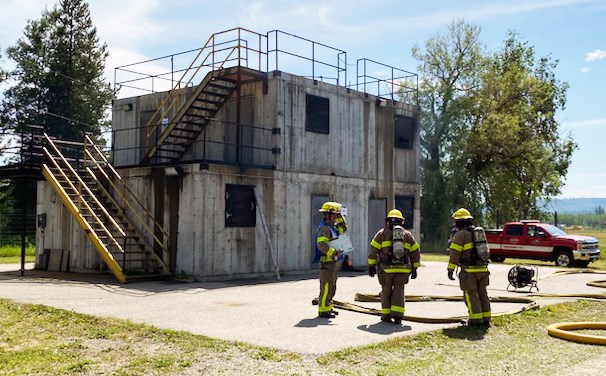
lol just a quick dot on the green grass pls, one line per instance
(10, 254)
(40, 340)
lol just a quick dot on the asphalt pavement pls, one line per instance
(266, 312)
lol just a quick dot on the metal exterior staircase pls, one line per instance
(112, 217)
(191, 119)
(168, 141)
(187, 109)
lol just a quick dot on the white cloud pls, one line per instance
(584, 70)
(14, 17)
(125, 29)
(595, 55)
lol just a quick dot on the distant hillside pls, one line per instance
(576, 205)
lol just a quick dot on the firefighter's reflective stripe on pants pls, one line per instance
(397, 270)
(476, 297)
(328, 286)
(475, 268)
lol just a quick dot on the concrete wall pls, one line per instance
(63, 232)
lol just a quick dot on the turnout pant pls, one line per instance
(328, 287)
(476, 296)
(392, 294)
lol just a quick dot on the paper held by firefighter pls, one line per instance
(343, 242)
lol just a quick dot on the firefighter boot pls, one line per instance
(326, 315)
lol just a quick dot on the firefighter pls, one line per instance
(396, 253)
(473, 275)
(327, 255)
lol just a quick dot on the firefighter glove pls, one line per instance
(450, 274)
(413, 273)
(372, 270)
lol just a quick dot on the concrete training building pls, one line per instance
(234, 160)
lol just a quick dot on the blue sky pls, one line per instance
(572, 31)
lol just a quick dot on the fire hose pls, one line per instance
(563, 330)
(529, 304)
(559, 330)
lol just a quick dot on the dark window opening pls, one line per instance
(316, 114)
(240, 206)
(404, 132)
(406, 205)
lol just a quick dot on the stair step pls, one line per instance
(199, 125)
(187, 129)
(215, 84)
(206, 110)
(213, 93)
(181, 137)
(171, 150)
(209, 101)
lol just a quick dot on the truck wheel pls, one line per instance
(564, 258)
(497, 258)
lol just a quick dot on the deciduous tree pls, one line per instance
(515, 151)
(449, 67)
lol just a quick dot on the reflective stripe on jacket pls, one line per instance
(460, 248)
(380, 248)
(326, 233)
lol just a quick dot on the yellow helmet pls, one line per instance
(462, 214)
(331, 207)
(395, 214)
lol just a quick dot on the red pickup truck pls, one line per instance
(541, 241)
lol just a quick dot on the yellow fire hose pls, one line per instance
(597, 283)
(559, 330)
(530, 304)
(562, 330)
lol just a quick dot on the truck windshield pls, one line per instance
(554, 231)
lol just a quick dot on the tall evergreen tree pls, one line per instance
(57, 83)
(58, 80)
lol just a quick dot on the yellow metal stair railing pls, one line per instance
(114, 267)
(129, 202)
(87, 190)
(82, 207)
(92, 211)
(173, 99)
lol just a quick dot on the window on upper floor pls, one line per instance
(317, 114)
(405, 129)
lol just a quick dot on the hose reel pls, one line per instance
(521, 276)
